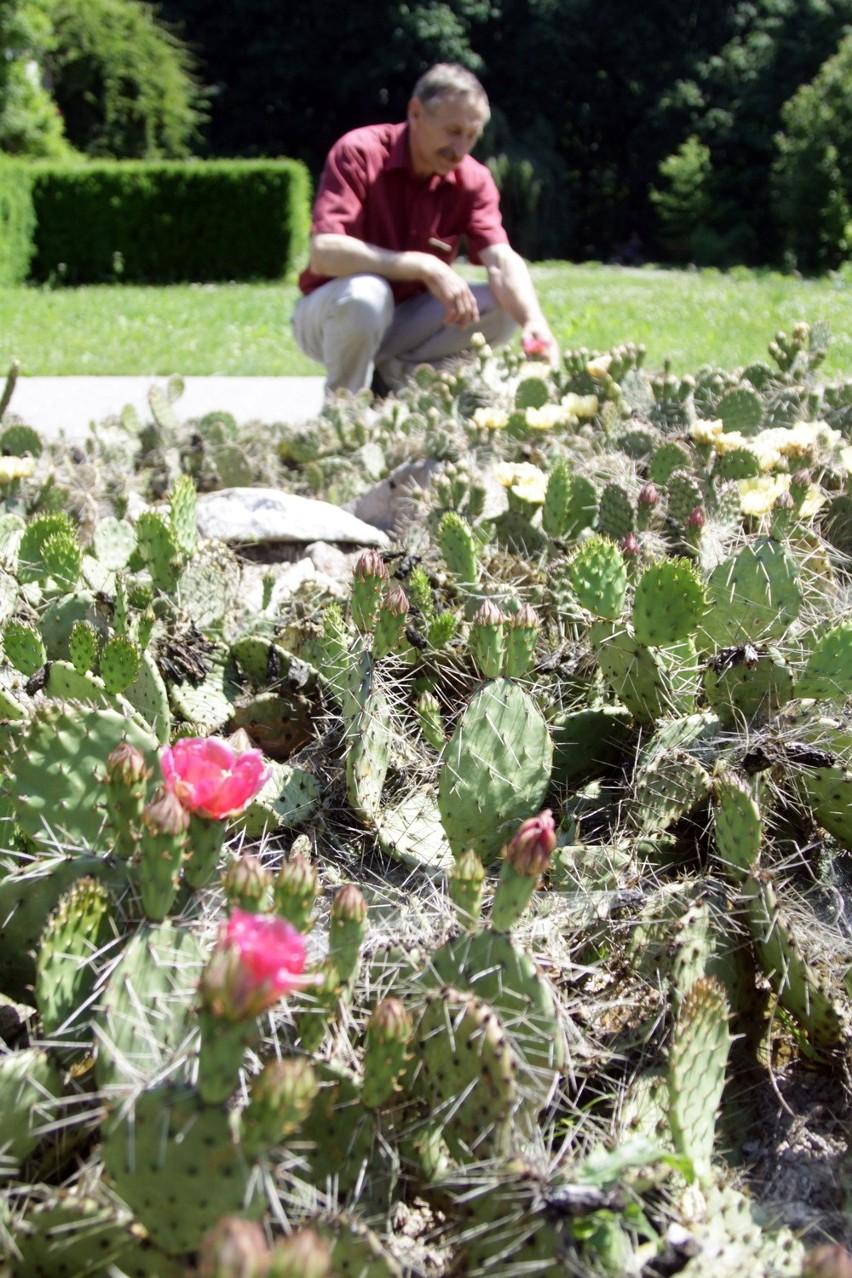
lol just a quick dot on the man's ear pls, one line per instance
(415, 108)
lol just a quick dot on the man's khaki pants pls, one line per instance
(352, 326)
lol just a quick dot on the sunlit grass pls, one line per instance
(689, 317)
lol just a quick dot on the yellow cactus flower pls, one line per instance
(15, 468)
(524, 480)
(490, 418)
(706, 432)
(758, 494)
(599, 367)
(582, 406)
(548, 417)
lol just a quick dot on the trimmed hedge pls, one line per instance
(17, 220)
(168, 222)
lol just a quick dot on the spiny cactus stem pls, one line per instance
(206, 839)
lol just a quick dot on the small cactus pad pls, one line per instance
(466, 1072)
(668, 604)
(495, 769)
(752, 597)
(599, 578)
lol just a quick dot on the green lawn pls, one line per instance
(689, 317)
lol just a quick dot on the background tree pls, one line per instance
(812, 178)
(732, 101)
(30, 123)
(124, 83)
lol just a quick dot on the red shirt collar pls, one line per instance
(399, 157)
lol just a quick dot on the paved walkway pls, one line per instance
(67, 405)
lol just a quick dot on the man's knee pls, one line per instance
(365, 307)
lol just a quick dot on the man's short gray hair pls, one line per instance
(450, 79)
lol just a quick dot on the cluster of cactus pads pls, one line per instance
(526, 916)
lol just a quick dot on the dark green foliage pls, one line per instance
(17, 221)
(813, 174)
(124, 83)
(167, 222)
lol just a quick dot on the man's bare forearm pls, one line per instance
(512, 284)
(337, 255)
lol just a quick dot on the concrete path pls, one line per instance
(67, 405)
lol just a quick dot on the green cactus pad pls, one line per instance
(668, 603)
(145, 1013)
(489, 965)
(753, 597)
(466, 1073)
(616, 515)
(585, 742)
(684, 495)
(208, 705)
(599, 578)
(83, 647)
(828, 669)
(168, 1138)
(494, 770)
(119, 663)
(741, 410)
(554, 512)
(410, 830)
(667, 789)
(71, 1236)
(26, 899)
(149, 696)
(29, 1081)
(24, 647)
(113, 541)
(342, 1142)
(70, 951)
(799, 988)
(668, 458)
(355, 1249)
(738, 825)
(288, 799)
(458, 546)
(31, 550)
(698, 1057)
(635, 673)
(368, 756)
(747, 685)
(55, 769)
(827, 789)
(740, 463)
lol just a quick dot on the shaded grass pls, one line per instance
(690, 317)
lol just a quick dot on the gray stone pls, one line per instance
(392, 504)
(249, 516)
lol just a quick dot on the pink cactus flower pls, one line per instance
(209, 778)
(257, 959)
(535, 347)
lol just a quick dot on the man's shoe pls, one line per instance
(379, 386)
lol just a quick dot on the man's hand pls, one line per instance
(537, 342)
(455, 293)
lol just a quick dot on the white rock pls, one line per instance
(252, 515)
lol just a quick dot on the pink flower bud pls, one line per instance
(530, 851)
(696, 518)
(630, 544)
(165, 814)
(126, 763)
(648, 494)
(209, 778)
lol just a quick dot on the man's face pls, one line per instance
(443, 133)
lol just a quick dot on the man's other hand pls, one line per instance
(455, 293)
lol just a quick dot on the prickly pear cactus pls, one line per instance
(494, 769)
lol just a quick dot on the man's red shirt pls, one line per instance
(368, 189)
